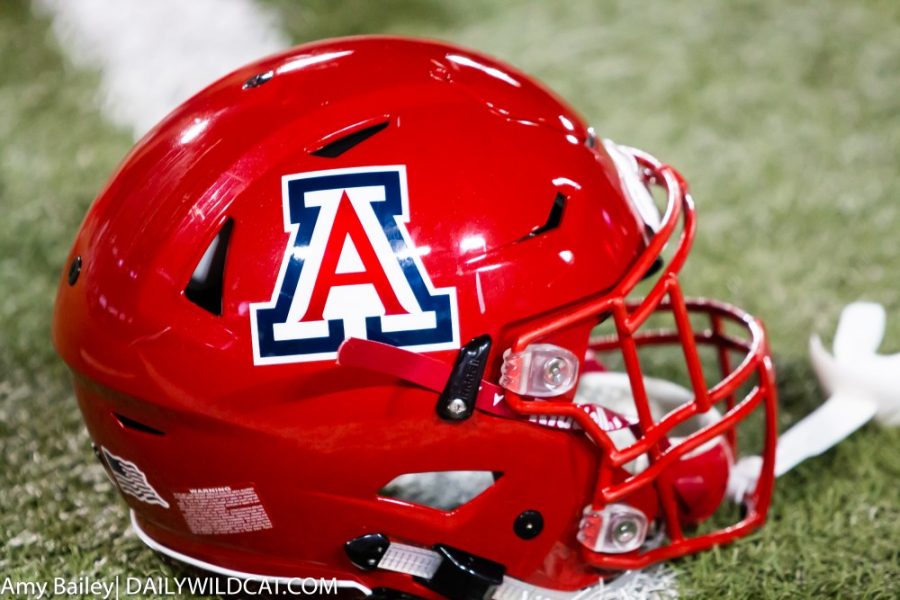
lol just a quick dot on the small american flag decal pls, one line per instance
(131, 480)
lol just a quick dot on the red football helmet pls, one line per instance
(368, 259)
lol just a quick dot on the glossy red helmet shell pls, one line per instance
(233, 254)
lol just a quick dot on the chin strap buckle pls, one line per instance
(463, 575)
(448, 571)
(457, 400)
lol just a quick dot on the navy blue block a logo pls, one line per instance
(350, 269)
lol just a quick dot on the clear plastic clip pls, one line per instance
(540, 371)
(616, 529)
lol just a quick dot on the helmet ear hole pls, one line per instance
(444, 490)
(206, 284)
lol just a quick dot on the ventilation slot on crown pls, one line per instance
(205, 287)
(136, 425)
(444, 490)
(553, 219)
(342, 144)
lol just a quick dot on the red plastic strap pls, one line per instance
(416, 368)
(432, 374)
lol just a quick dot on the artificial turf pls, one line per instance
(784, 117)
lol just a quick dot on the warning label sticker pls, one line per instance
(222, 510)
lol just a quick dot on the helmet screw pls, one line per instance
(529, 524)
(625, 531)
(555, 371)
(457, 407)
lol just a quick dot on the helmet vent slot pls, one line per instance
(136, 425)
(205, 287)
(337, 147)
(444, 490)
(554, 218)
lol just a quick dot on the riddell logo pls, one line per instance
(350, 269)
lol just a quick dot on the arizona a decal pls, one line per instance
(350, 269)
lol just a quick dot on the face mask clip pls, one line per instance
(539, 371)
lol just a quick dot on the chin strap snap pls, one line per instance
(451, 572)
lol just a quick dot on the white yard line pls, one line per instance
(154, 54)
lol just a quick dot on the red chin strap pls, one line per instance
(432, 374)
(700, 481)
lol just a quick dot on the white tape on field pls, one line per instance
(154, 54)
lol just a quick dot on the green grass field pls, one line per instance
(785, 118)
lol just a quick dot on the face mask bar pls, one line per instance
(653, 441)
